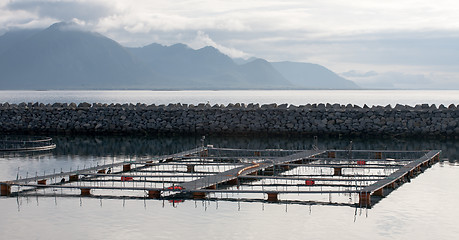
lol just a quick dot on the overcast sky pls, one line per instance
(390, 43)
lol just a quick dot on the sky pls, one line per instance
(377, 44)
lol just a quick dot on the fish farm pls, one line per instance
(347, 177)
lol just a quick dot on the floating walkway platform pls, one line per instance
(336, 177)
(26, 144)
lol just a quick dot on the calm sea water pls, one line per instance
(359, 97)
(426, 208)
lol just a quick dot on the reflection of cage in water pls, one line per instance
(335, 177)
(26, 144)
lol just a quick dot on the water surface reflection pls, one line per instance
(426, 208)
(98, 146)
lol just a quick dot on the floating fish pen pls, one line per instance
(26, 144)
(333, 177)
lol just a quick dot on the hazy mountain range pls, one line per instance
(66, 57)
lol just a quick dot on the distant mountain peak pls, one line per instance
(153, 45)
(63, 57)
(312, 76)
(67, 56)
(241, 61)
(67, 26)
(258, 61)
(180, 46)
(209, 49)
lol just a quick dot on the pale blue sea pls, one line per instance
(425, 208)
(299, 97)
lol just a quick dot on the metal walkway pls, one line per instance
(359, 176)
(246, 169)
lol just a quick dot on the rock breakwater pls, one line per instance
(233, 119)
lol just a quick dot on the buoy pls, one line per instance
(126, 178)
(310, 182)
(175, 188)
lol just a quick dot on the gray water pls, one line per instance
(299, 97)
(426, 208)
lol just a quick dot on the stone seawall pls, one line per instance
(233, 119)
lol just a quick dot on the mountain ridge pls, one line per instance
(64, 56)
(308, 75)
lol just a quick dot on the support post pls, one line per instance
(204, 153)
(232, 182)
(73, 178)
(154, 194)
(393, 185)
(199, 195)
(378, 155)
(272, 197)
(379, 192)
(406, 177)
(85, 191)
(364, 199)
(41, 182)
(5, 189)
(126, 167)
(337, 171)
(331, 154)
(285, 167)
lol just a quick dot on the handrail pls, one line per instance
(27, 145)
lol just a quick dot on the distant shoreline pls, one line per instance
(294, 97)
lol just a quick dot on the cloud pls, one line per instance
(412, 37)
(202, 40)
(62, 10)
(333, 18)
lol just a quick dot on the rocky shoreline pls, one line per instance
(233, 119)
